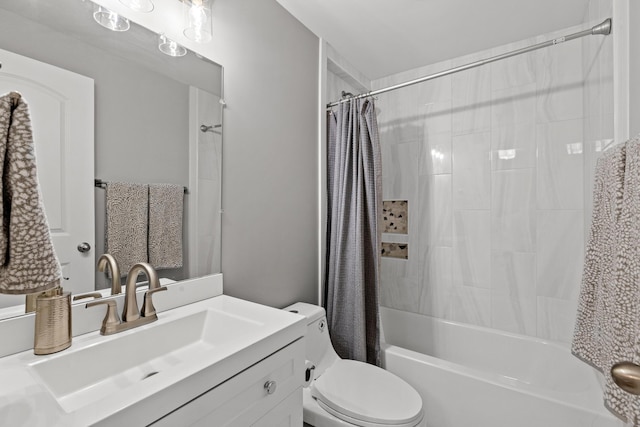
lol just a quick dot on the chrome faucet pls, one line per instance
(108, 260)
(131, 316)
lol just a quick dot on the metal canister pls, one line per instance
(53, 322)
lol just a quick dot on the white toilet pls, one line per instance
(348, 393)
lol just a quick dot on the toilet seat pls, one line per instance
(367, 396)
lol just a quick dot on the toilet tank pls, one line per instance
(319, 350)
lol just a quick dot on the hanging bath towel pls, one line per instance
(608, 322)
(165, 225)
(28, 262)
(126, 223)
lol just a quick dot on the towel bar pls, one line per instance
(103, 184)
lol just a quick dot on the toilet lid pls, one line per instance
(366, 393)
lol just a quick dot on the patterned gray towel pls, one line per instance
(165, 225)
(28, 262)
(608, 321)
(126, 223)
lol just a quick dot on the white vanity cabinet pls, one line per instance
(269, 393)
(221, 361)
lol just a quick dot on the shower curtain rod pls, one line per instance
(604, 29)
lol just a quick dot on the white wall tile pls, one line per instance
(472, 171)
(436, 155)
(514, 314)
(398, 115)
(560, 253)
(399, 292)
(560, 165)
(399, 170)
(559, 83)
(436, 301)
(514, 274)
(556, 319)
(513, 146)
(559, 103)
(515, 71)
(490, 161)
(471, 101)
(472, 249)
(513, 210)
(433, 91)
(435, 118)
(435, 277)
(469, 305)
(434, 218)
(513, 105)
(561, 63)
(513, 297)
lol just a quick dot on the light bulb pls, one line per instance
(169, 47)
(144, 6)
(198, 22)
(110, 19)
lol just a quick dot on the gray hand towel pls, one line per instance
(165, 225)
(28, 262)
(126, 223)
(608, 323)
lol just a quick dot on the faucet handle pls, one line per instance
(111, 319)
(148, 310)
(94, 295)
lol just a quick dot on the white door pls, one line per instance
(61, 107)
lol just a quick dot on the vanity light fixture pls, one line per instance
(197, 19)
(109, 19)
(144, 6)
(169, 47)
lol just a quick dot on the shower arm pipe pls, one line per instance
(603, 28)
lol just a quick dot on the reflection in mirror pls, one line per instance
(156, 119)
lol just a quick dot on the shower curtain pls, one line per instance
(354, 188)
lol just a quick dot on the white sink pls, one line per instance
(77, 378)
(117, 371)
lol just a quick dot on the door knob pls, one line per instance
(84, 247)
(626, 375)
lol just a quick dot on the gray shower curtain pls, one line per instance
(354, 189)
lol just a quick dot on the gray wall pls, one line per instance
(269, 225)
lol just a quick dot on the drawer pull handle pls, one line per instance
(270, 386)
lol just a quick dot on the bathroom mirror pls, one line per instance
(157, 119)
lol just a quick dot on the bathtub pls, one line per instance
(480, 377)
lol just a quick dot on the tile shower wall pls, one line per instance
(597, 64)
(491, 161)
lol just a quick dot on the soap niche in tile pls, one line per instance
(395, 250)
(395, 215)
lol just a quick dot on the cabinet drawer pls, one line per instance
(245, 397)
(287, 414)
